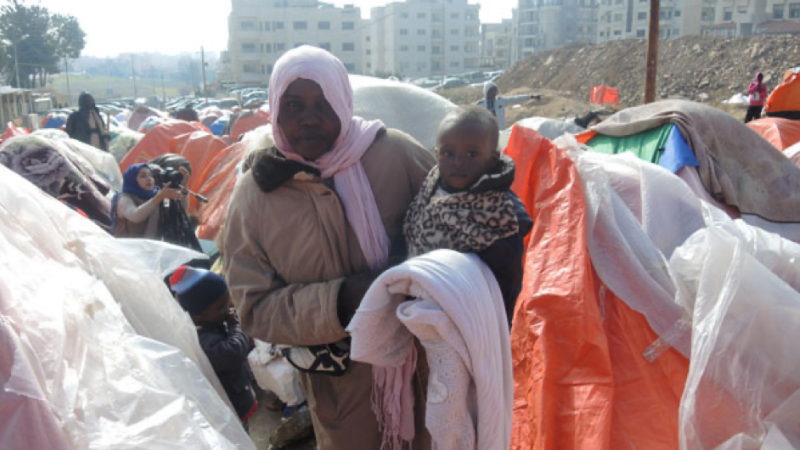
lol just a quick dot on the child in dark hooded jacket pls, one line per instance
(466, 203)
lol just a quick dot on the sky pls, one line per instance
(176, 26)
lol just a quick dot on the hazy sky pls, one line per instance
(175, 26)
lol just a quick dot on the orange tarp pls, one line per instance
(785, 97)
(604, 94)
(156, 142)
(782, 133)
(248, 123)
(581, 381)
(219, 179)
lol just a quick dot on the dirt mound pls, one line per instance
(708, 69)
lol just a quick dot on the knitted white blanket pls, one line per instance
(457, 314)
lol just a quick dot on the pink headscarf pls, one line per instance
(343, 161)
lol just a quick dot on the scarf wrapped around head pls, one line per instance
(343, 161)
(391, 388)
(130, 185)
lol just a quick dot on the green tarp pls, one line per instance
(647, 145)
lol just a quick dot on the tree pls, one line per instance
(33, 42)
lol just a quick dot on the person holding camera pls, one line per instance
(135, 212)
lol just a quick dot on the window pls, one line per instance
(280, 47)
(250, 68)
(348, 25)
(325, 46)
(639, 33)
(247, 25)
(248, 48)
(677, 13)
(278, 25)
(367, 39)
(369, 52)
(777, 11)
(269, 48)
(436, 34)
(454, 64)
(454, 48)
(641, 16)
(348, 47)
(794, 11)
(403, 32)
(266, 25)
(676, 32)
(454, 15)
(369, 65)
(436, 50)
(324, 26)
(404, 15)
(299, 44)
(421, 48)
(617, 17)
(436, 66)
(403, 48)
(454, 32)
(350, 67)
(728, 15)
(436, 17)
(617, 32)
(300, 25)
(420, 32)
(421, 15)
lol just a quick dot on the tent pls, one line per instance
(728, 164)
(784, 101)
(782, 133)
(629, 276)
(54, 120)
(157, 141)
(248, 121)
(199, 148)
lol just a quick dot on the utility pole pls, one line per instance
(652, 52)
(66, 72)
(133, 73)
(16, 64)
(191, 72)
(203, 62)
(163, 90)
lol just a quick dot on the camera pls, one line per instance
(167, 175)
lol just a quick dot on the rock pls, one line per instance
(703, 96)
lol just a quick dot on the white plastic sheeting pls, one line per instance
(274, 373)
(722, 292)
(408, 108)
(95, 352)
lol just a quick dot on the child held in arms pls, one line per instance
(204, 295)
(466, 203)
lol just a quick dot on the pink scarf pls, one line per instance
(343, 161)
(391, 386)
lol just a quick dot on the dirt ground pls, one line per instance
(264, 423)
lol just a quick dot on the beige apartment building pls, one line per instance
(747, 17)
(496, 44)
(626, 19)
(260, 31)
(548, 24)
(422, 38)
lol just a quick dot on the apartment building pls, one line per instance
(496, 44)
(421, 38)
(747, 17)
(548, 24)
(260, 31)
(626, 19)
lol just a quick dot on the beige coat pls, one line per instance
(286, 253)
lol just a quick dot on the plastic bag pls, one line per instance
(273, 373)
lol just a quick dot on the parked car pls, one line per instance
(450, 83)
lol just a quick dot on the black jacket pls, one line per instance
(505, 258)
(226, 348)
(78, 128)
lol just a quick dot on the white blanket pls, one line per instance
(459, 318)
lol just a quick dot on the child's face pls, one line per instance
(465, 154)
(217, 313)
(145, 179)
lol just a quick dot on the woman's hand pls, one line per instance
(167, 192)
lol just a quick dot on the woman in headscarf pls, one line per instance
(310, 226)
(135, 211)
(86, 124)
